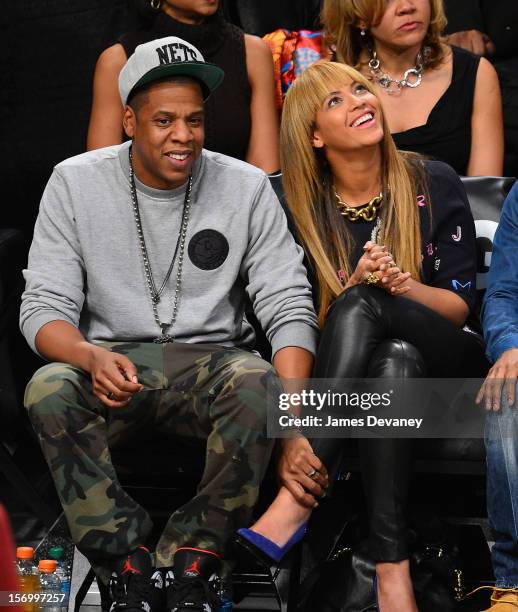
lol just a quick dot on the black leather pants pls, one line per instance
(369, 333)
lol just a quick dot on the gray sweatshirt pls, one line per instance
(85, 265)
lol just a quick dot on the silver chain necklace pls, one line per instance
(411, 78)
(179, 250)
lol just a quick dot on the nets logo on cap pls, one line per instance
(165, 57)
(176, 52)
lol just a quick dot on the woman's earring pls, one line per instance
(363, 32)
(155, 4)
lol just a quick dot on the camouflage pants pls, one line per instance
(203, 391)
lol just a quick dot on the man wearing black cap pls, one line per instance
(135, 246)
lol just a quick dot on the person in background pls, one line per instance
(241, 119)
(440, 101)
(391, 242)
(490, 28)
(498, 394)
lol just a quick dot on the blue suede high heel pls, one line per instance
(263, 548)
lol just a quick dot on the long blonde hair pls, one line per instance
(341, 19)
(308, 186)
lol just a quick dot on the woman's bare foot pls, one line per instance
(395, 592)
(282, 519)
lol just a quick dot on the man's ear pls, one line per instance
(129, 121)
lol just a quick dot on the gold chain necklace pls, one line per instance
(367, 213)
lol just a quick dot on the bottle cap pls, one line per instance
(25, 552)
(56, 552)
(47, 565)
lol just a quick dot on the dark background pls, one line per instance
(48, 50)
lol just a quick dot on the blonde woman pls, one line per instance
(391, 243)
(439, 100)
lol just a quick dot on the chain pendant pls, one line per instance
(155, 294)
(163, 339)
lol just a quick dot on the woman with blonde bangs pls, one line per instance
(390, 241)
(440, 101)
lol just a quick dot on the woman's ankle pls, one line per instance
(282, 519)
(395, 590)
(393, 569)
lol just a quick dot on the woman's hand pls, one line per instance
(393, 280)
(302, 472)
(376, 260)
(369, 263)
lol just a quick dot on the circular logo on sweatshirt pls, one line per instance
(208, 249)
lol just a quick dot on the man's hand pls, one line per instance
(472, 40)
(297, 460)
(114, 377)
(503, 373)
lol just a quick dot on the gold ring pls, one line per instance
(311, 473)
(371, 279)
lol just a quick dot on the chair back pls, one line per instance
(486, 196)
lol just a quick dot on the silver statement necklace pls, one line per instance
(179, 250)
(411, 78)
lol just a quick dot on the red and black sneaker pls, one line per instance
(193, 581)
(136, 585)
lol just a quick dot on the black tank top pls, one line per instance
(227, 111)
(446, 136)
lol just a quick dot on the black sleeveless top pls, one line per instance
(227, 111)
(446, 135)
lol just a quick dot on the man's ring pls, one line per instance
(109, 395)
(312, 472)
